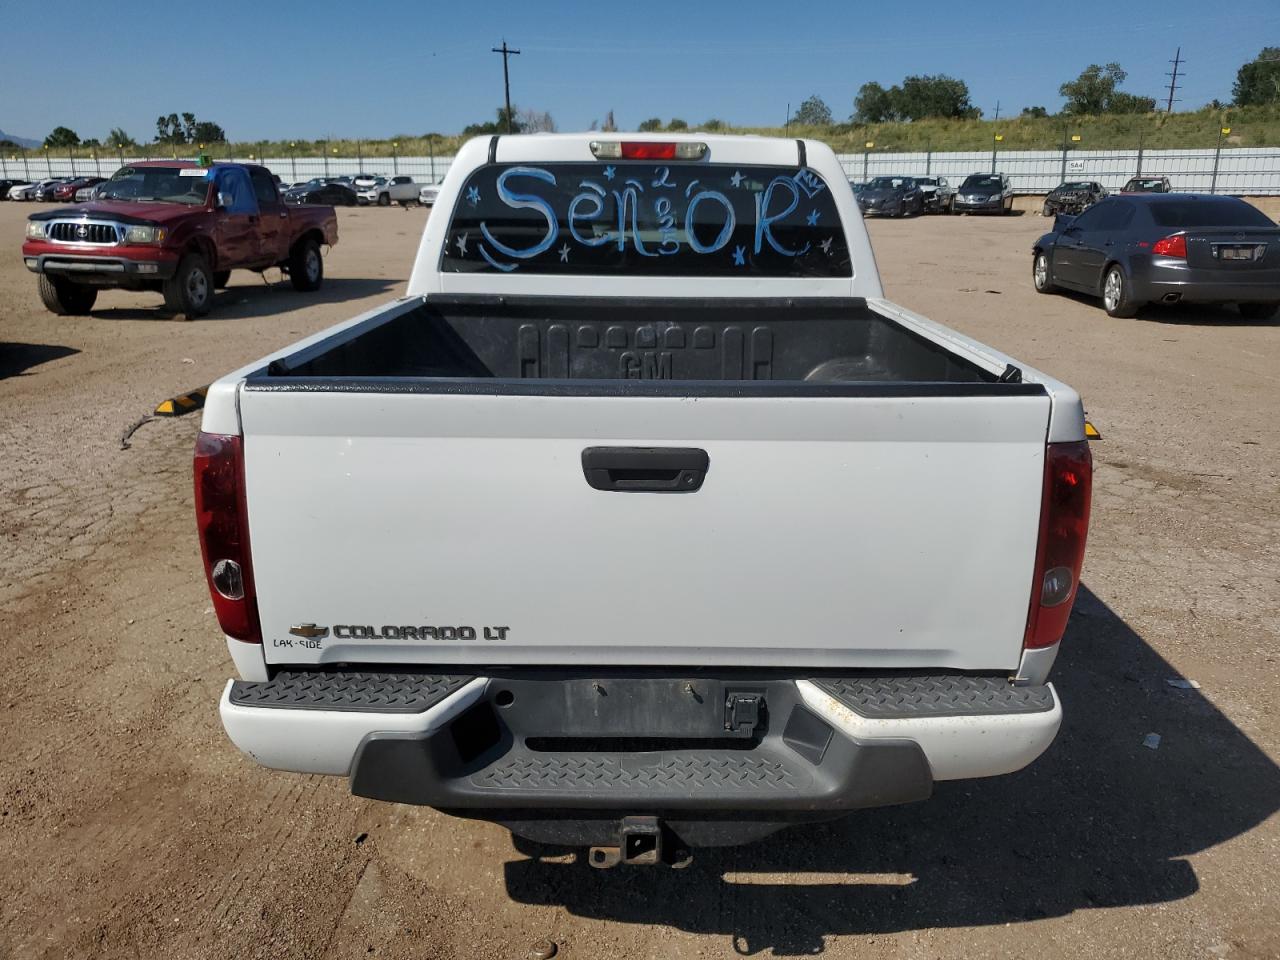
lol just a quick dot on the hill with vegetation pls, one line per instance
(1250, 127)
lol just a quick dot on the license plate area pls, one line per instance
(549, 713)
(1246, 252)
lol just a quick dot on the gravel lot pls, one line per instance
(130, 827)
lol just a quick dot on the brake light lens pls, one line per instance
(647, 150)
(222, 522)
(1064, 525)
(1174, 246)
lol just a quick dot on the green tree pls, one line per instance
(714, 124)
(648, 126)
(118, 136)
(1122, 102)
(814, 112)
(873, 104)
(677, 124)
(168, 129)
(933, 96)
(493, 126)
(205, 132)
(1258, 82)
(1034, 112)
(1096, 91)
(62, 137)
(917, 98)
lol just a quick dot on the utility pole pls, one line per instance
(1173, 79)
(997, 116)
(788, 125)
(507, 53)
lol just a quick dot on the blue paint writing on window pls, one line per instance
(634, 218)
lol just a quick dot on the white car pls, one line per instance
(29, 191)
(643, 521)
(388, 190)
(427, 194)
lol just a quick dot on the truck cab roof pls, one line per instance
(650, 181)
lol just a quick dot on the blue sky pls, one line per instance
(280, 70)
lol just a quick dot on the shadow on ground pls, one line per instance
(246, 298)
(1099, 821)
(17, 358)
(1181, 314)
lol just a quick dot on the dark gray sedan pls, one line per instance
(984, 193)
(891, 197)
(1136, 249)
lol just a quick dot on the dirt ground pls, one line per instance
(130, 826)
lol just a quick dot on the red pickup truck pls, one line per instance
(178, 228)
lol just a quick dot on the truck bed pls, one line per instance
(820, 340)
(886, 486)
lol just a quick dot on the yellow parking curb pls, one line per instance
(1091, 432)
(183, 403)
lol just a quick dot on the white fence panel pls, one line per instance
(290, 169)
(1251, 171)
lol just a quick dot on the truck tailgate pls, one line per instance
(867, 528)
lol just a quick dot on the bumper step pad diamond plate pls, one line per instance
(332, 690)
(898, 698)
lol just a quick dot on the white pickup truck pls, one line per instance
(643, 522)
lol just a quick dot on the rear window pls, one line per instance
(627, 218)
(1215, 212)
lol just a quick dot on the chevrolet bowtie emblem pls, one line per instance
(308, 630)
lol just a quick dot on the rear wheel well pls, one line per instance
(312, 234)
(1106, 267)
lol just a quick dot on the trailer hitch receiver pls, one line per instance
(642, 841)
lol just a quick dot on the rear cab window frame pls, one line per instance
(632, 218)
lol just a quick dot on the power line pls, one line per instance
(507, 53)
(1173, 79)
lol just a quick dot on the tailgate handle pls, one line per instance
(645, 469)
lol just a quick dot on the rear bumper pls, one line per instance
(1155, 281)
(533, 747)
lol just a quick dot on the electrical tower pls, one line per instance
(1177, 61)
(507, 53)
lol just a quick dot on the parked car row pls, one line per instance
(362, 188)
(901, 196)
(57, 189)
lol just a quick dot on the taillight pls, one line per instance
(223, 525)
(647, 150)
(1064, 524)
(1174, 246)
